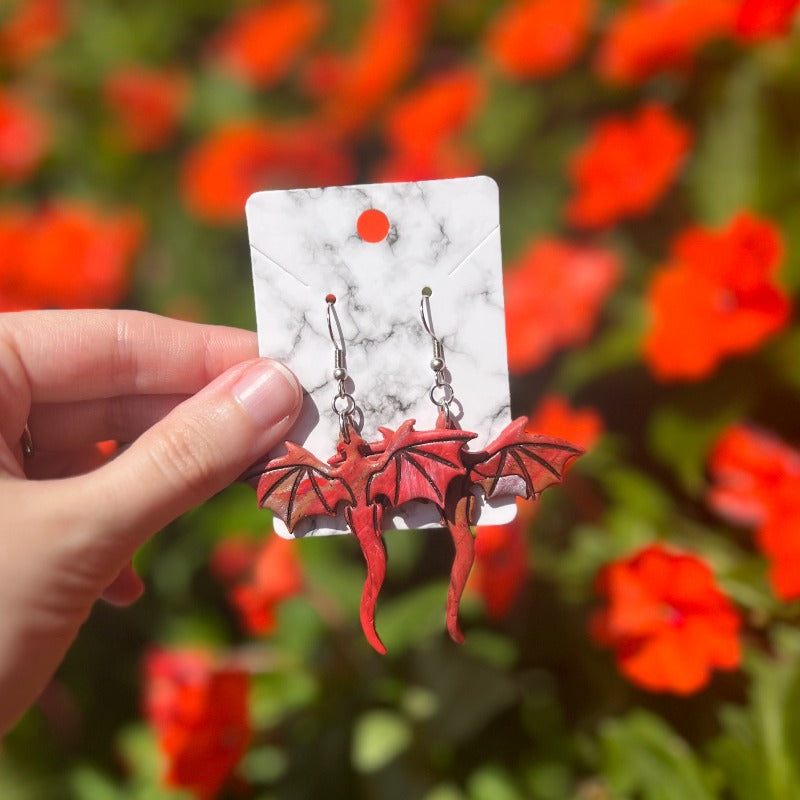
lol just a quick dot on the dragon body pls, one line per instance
(367, 479)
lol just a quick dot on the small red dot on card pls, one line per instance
(373, 225)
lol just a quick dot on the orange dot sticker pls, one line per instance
(373, 225)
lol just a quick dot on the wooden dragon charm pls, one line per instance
(365, 480)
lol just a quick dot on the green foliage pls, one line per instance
(726, 175)
(758, 750)
(642, 757)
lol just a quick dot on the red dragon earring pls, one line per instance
(367, 479)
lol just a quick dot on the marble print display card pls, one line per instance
(375, 248)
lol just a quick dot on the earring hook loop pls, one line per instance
(427, 322)
(343, 404)
(331, 314)
(441, 393)
(426, 316)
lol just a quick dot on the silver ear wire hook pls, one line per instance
(441, 393)
(343, 403)
(331, 301)
(427, 323)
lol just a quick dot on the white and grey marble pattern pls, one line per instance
(444, 235)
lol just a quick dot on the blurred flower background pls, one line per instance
(635, 634)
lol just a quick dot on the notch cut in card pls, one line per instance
(374, 248)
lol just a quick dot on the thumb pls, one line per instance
(200, 447)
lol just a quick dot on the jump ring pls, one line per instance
(446, 394)
(346, 408)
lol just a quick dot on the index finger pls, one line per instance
(79, 355)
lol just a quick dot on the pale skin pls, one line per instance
(198, 407)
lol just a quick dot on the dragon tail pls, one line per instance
(365, 523)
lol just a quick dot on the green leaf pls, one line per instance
(637, 494)
(643, 757)
(22, 784)
(217, 99)
(138, 748)
(87, 784)
(403, 550)
(494, 649)
(419, 703)
(277, 693)
(263, 764)
(549, 780)
(590, 548)
(492, 782)
(775, 683)
(507, 120)
(413, 616)
(724, 178)
(783, 354)
(453, 676)
(681, 440)
(745, 778)
(378, 738)
(758, 750)
(745, 582)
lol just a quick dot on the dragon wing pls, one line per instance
(520, 463)
(417, 465)
(297, 485)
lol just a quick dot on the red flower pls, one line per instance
(447, 161)
(555, 417)
(534, 38)
(107, 448)
(553, 296)
(199, 712)
(757, 483)
(233, 558)
(435, 110)
(29, 28)
(626, 166)
(758, 20)
(386, 50)
(651, 36)
(241, 158)
(272, 575)
(667, 620)
(23, 138)
(718, 297)
(323, 74)
(262, 42)
(749, 469)
(421, 128)
(147, 105)
(65, 256)
(779, 540)
(501, 566)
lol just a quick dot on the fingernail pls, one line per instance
(268, 392)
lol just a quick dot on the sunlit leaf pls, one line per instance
(379, 737)
(492, 782)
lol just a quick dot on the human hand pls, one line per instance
(198, 408)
